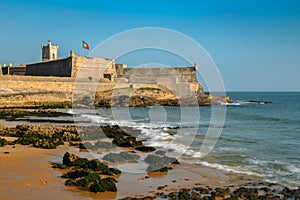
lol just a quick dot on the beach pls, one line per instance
(26, 173)
(238, 160)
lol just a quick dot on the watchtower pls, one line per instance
(49, 52)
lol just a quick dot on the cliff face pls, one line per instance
(20, 91)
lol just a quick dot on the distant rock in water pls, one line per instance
(260, 102)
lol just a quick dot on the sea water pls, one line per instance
(258, 137)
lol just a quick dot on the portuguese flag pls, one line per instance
(85, 45)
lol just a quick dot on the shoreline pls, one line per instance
(26, 171)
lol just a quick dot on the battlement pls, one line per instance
(49, 51)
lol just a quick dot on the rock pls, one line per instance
(129, 156)
(104, 145)
(195, 196)
(160, 153)
(223, 192)
(59, 166)
(158, 167)
(107, 184)
(76, 174)
(113, 131)
(184, 194)
(114, 157)
(86, 174)
(73, 160)
(127, 141)
(145, 149)
(160, 159)
(87, 145)
(121, 157)
(3, 142)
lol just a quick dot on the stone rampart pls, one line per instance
(61, 67)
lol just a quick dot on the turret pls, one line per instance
(49, 52)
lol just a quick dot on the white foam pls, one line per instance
(228, 168)
(293, 168)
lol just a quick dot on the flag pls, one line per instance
(85, 45)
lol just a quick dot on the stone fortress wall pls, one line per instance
(85, 69)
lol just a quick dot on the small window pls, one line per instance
(108, 76)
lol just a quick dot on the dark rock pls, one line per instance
(107, 184)
(87, 145)
(184, 194)
(3, 142)
(222, 192)
(40, 140)
(115, 171)
(160, 159)
(73, 160)
(160, 153)
(158, 167)
(104, 145)
(113, 131)
(127, 141)
(145, 149)
(160, 187)
(76, 174)
(172, 196)
(113, 157)
(121, 157)
(246, 193)
(59, 166)
(129, 156)
(69, 158)
(195, 196)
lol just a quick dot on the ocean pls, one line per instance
(260, 135)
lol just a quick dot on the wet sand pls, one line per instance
(25, 173)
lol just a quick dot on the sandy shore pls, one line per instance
(25, 173)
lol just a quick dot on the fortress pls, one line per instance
(106, 70)
(60, 82)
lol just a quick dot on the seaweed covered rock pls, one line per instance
(41, 141)
(73, 160)
(107, 184)
(86, 173)
(76, 173)
(81, 180)
(59, 166)
(127, 141)
(3, 142)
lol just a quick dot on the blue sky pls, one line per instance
(255, 44)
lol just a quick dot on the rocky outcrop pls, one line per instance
(86, 174)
